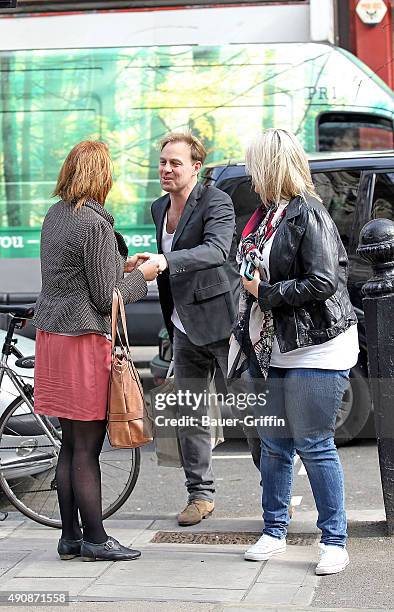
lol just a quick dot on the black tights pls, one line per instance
(78, 479)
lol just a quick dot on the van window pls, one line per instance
(338, 191)
(354, 132)
(383, 196)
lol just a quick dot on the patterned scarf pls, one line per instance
(253, 333)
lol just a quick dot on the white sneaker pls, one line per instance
(265, 547)
(333, 559)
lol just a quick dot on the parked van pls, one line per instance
(129, 96)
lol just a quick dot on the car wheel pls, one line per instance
(355, 408)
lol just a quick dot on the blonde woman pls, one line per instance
(82, 261)
(297, 329)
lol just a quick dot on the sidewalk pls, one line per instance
(208, 576)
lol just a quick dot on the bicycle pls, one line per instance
(30, 444)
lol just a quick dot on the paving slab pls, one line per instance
(38, 537)
(26, 524)
(304, 595)
(275, 594)
(135, 524)
(268, 594)
(49, 542)
(8, 526)
(183, 569)
(33, 530)
(9, 560)
(233, 549)
(246, 607)
(74, 586)
(144, 538)
(55, 568)
(360, 515)
(33, 540)
(293, 608)
(303, 522)
(253, 525)
(160, 593)
(140, 605)
(181, 606)
(125, 606)
(288, 569)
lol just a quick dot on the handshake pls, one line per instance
(150, 264)
(253, 260)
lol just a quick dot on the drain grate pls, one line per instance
(229, 537)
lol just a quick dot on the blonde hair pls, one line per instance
(279, 167)
(197, 150)
(85, 174)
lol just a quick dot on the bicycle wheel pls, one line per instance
(28, 460)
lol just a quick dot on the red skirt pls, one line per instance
(71, 376)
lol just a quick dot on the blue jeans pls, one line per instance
(307, 400)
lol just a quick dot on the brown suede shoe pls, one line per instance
(195, 511)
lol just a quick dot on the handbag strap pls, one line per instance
(118, 305)
(114, 317)
(123, 319)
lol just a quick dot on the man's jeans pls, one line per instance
(193, 368)
(308, 400)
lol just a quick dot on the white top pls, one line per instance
(166, 245)
(340, 353)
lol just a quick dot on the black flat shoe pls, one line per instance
(110, 550)
(69, 549)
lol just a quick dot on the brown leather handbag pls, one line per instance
(128, 425)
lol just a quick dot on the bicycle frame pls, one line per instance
(18, 382)
(21, 388)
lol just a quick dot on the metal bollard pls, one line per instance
(376, 246)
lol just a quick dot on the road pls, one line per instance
(160, 491)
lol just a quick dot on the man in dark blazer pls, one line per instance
(198, 290)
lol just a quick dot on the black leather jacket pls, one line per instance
(307, 291)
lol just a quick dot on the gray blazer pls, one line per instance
(202, 278)
(80, 266)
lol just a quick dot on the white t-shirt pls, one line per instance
(166, 245)
(340, 353)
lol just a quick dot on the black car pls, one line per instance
(355, 187)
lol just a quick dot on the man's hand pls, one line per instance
(161, 260)
(253, 285)
(135, 261)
